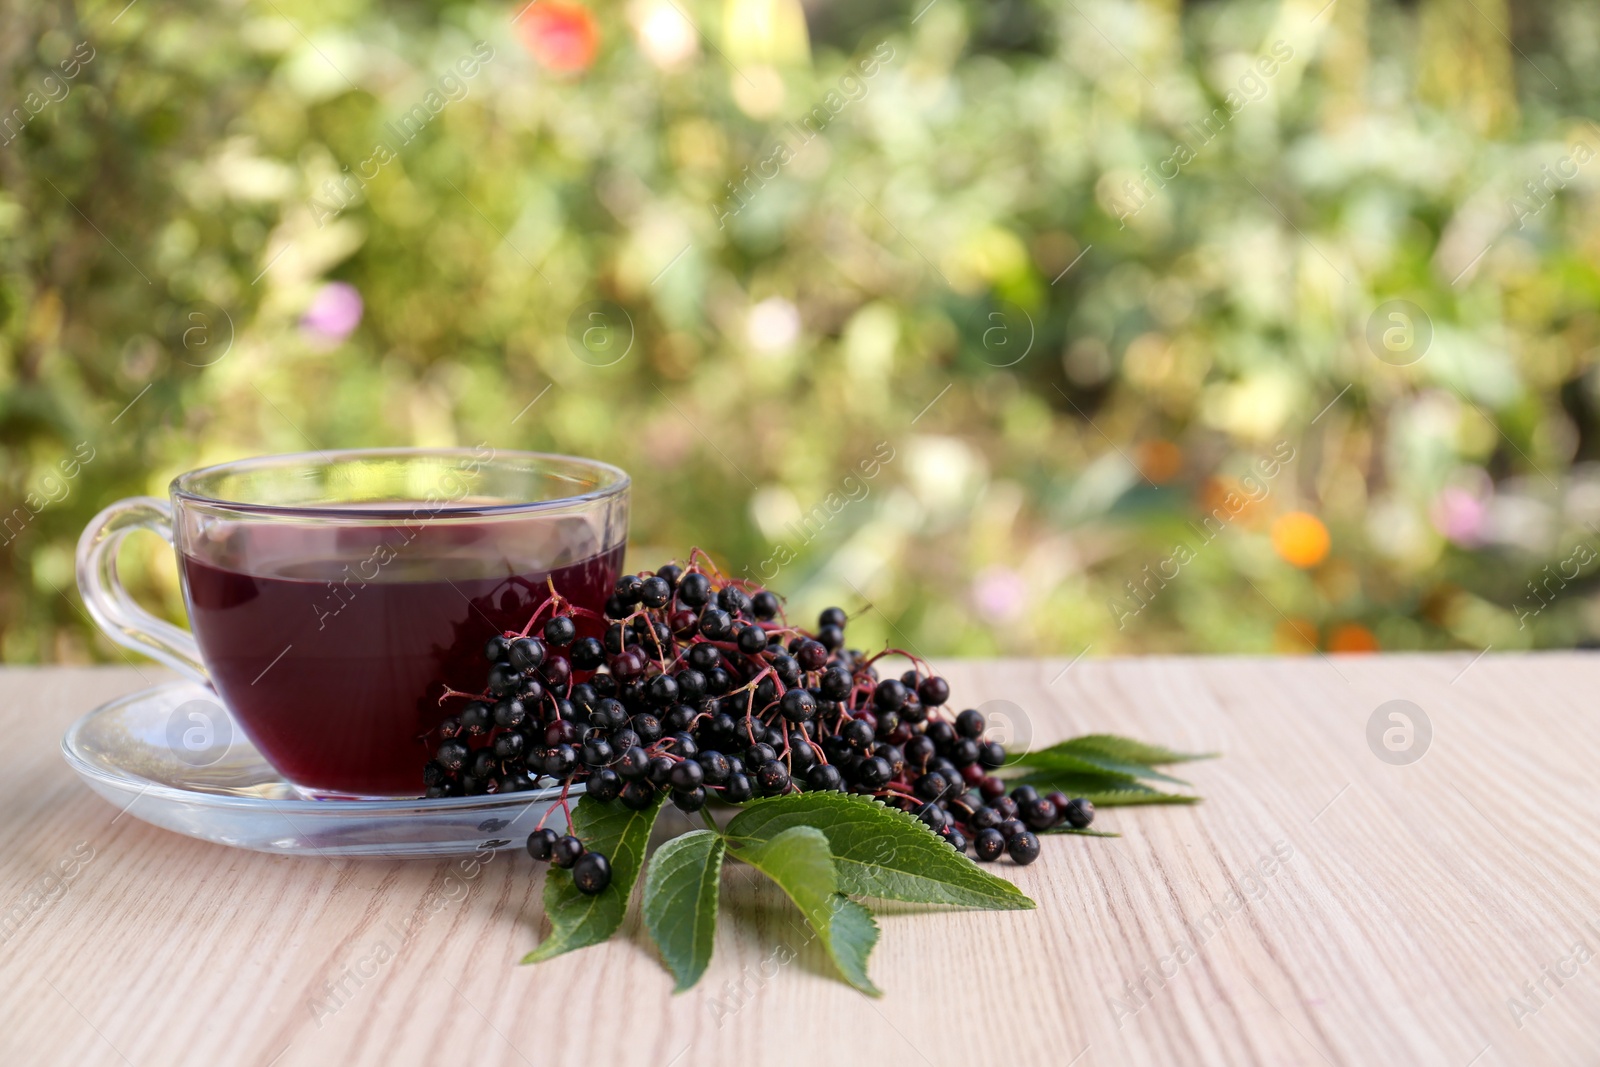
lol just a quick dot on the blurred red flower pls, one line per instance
(562, 37)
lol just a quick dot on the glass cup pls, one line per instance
(333, 595)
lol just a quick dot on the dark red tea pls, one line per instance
(330, 645)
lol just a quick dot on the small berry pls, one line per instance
(823, 778)
(689, 800)
(989, 844)
(687, 775)
(587, 653)
(931, 786)
(591, 873)
(635, 763)
(958, 840)
(798, 705)
(933, 691)
(560, 631)
(694, 589)
(496, 649)
(510, 714)
(1022, 794)
(508, 746)
(714, 767)
(1039, 814)
(765, 605)
(772, 777)
(716, 625)
(638, 795)
(503, 679)
(628, 589)
(831, 638)
(752, 639)
(565, 851)
(540, 844)
(1011, 828)
(654, 592)
(476, 718)
(1023, 847)
(991, 755)
(597, 752)
(452, 756)
(831, 617)
(890, 695)
(874, 773)
(1078, 813)
(738, 790)
(604, 784)
(970, 723)
(527, 653)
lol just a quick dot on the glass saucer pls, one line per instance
(141, 754)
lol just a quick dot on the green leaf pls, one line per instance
(879, 851)
(1101, 793)
(799, 861)
(680, 902)
(1127, 750)
(577, 919)
(1080, 832)
(1059, 759)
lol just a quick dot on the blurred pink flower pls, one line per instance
(334, 312)
(1459, 515)
(999, 593)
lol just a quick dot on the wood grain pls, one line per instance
(1322, 906)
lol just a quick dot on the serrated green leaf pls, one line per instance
(577, 919)
(879, 851)
(680, 902)
(1084, 832)
(1101, 793)
(1128, 750)
(1058, 758)
(799, 861)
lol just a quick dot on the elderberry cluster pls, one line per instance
(695, 685)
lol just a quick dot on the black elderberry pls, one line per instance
(691, 684)
(934, 691)
(443, 789)
(452, 756)
(831, 617)
(919, 750)
(824, 777)
(433, 774)
(474, 786)
(718, 681)
(970, 723)
(831, 638)
(913, 712)
(591, 873)
(801, 755)
(836, 684)
(703, 657)
(888, 723)
(689, 800)
(1005, 806)
(510, 714)
(616, 607)
(684, 745)
(758, 754)
(628, 588)
(476, 718)
(992, 755)
(942, 734)
(648, 727)
(772, 777)
(716, 625)
(984, 818)
(514, 782)
(608, 714)
(733, 600)
(1039, 814)
(587, 653)
(531, 691)
(604, 784)
(694, 589)
(670, 573)
(503, 679)
(931, 786)
(798, 706)
(738, 790)
(957, 840)
(508, 746)
(496, 649)
(560, 631)
(560, 761)
(1078, 813)
(633, 763)
(684, 624)
(874, 773)
(787, 668)
(714, 767)
(624, 738)
(687, 775)
(858, 734)
(597, 752)
(989, 844)
(565, 851)
(557, 672)
(616, 639)
(751, 639)
(527, 653)
(481, 764)
(1023, 847)
(1011, 828)
(662, 690)
(765, 605)
(654, 592)
(1022, 794)
(935, 817)
(605, 685)
(964, 752)
(541, 843)
(637, 795)
(661, 769)
(677, 719)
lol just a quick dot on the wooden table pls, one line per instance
(1323, 906)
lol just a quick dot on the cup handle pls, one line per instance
(113, 610)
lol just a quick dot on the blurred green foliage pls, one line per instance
(957, 261)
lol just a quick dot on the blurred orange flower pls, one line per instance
(563, 37)
(1160, 460)
(1352, 637)
(1300, 538)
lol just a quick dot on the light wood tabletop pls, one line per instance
(1324, 905)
